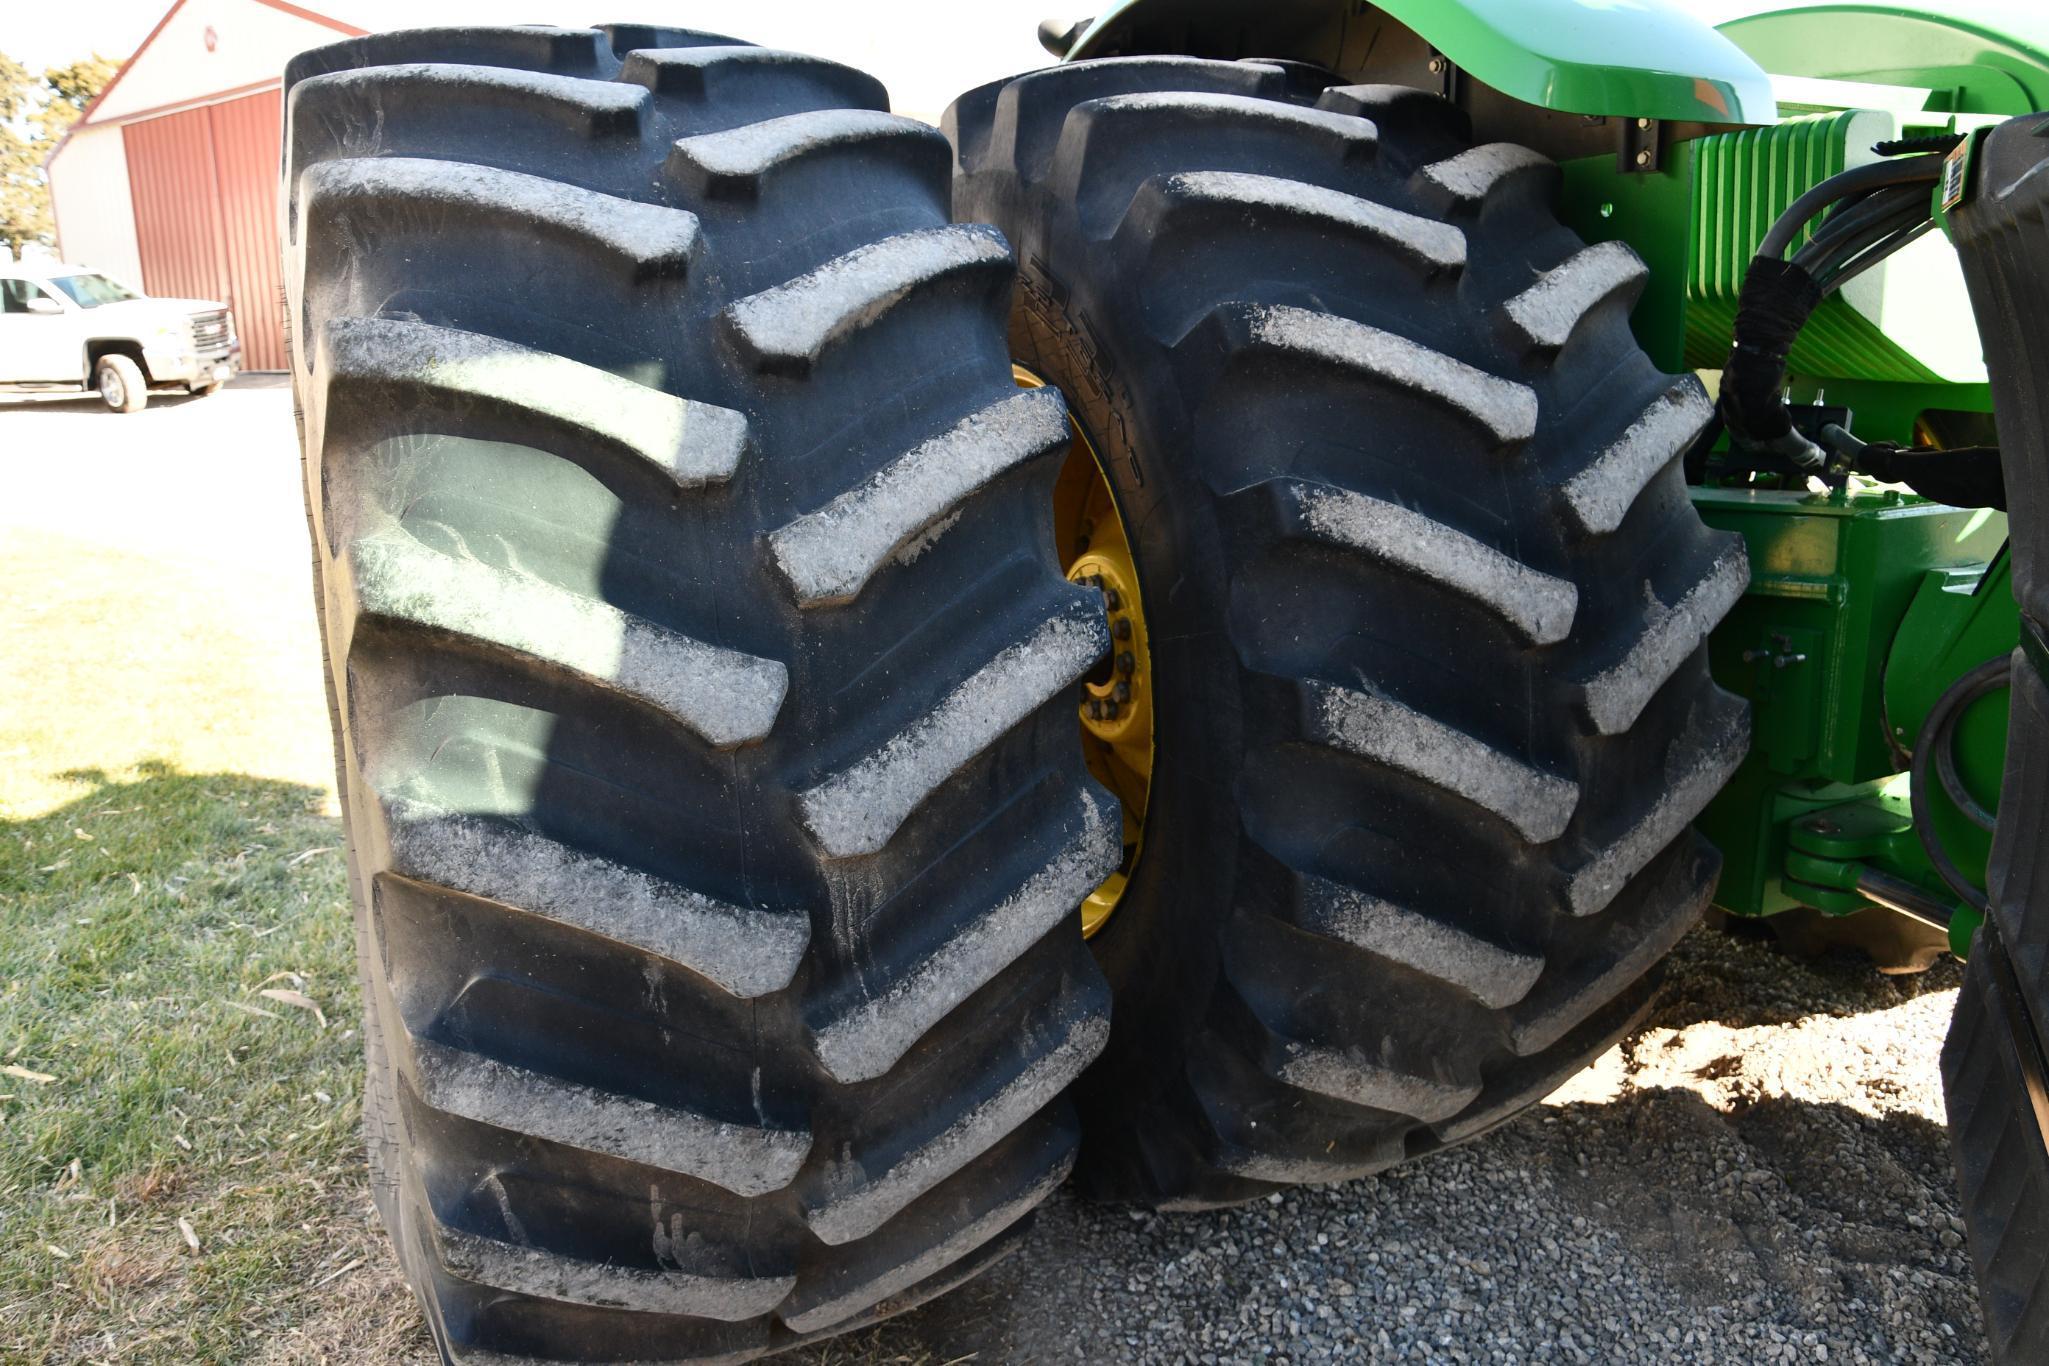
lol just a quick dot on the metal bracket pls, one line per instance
(1640, 149)
(1447, 76)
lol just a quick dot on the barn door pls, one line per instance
(205, 188)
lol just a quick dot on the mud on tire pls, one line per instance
(702, 682)
(1427, 596)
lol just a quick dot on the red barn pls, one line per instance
(169, 181)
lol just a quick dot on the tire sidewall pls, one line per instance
(1160, 950)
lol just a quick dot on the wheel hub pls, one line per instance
(1116, 710)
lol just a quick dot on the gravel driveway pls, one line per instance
(1760, 1175)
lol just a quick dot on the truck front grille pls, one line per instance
(210, 334)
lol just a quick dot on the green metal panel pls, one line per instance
(1832, 580)
(1743, 181)
(1959, 618)
(1699, 221)
(1633, 58)
(1836, 574)
(1981, 56)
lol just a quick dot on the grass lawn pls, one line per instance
(181, 1169)
(181, 1160)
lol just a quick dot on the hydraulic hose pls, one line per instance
(1842, 275)
(1877, 176)
(1935, 758)
(1846, 234)
(1779, 296)
(1856, 215)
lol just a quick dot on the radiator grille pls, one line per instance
(210, 334)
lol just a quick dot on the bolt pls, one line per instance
(1643, 123)
(1437, 66)
(1112, 599)
(1127, 663)
(1643, 158)
(1122, 692)
(1121, 628)
(1109, 711)
(1095, 710)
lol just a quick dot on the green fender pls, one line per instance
(1979, 56)
(1622, 58)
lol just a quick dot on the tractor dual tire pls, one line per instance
(703, 686)
(1427, 599)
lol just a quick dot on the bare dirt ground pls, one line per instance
(1761, 1174)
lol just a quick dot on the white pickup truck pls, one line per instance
(66, 330)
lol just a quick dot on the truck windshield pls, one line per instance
(90, 291)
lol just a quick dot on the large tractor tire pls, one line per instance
(1425, 598)
(1995, 1063)
(703, 688)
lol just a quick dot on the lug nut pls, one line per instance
(1121, 628)
(1109, 711)
(1095, 710)
(1127, 663)
(1112, 599)
(1122, 692)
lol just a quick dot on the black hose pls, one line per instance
(1859, 210)
(1775, 302)
(1779, 295)
(1938, 735)
(1998, 673)
(1846, 234)
(1842, 275)
(1876, 176)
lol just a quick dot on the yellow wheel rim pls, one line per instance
(1116, 710)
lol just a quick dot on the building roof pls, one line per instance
(110, 105)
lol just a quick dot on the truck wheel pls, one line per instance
(120, 383)
(703, 688)
(1425, 598)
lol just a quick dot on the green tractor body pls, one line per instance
(1866, 604)
(1571, 56)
